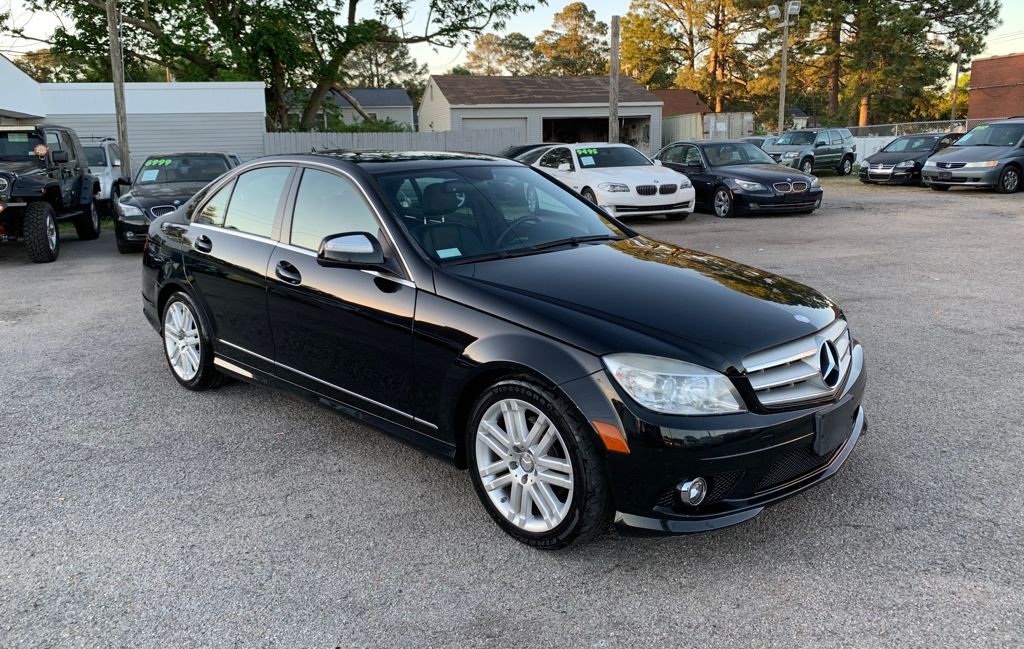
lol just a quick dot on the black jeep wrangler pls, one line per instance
(44, 179)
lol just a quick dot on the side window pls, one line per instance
(836, 137)
(53, 141)
(564, 157)
(328, 204)
(821, 138)
(550, 159)
(675, 153)
(213, 212)
(254, 200)
(693, 156)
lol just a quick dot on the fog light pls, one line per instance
(692, 492)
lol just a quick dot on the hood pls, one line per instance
(644, 296)
(635, 175)
(976, 153)
(21, 167)
(896, 157)
(760, 173)
(145, 196)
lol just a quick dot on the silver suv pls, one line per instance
(989, 155)
(815, 148)
(104, 158)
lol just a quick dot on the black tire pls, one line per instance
(722, 204)
(590, 510)
(126, 248)
(588, 194)
(115, 194)
(845, 166)
(207, 376)
(678, 216)
(87, 224)
(807, 166)
(42, 238)
(940, 188)
(1009, 180)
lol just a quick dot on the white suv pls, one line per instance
(104, 158)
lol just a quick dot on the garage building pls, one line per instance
(547, 109)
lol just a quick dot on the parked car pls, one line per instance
(899, 162)
(580, 371)
(517, 150)
(732, 177)
(162, 184)
(44, 180)
(532, 155)
(761, 141)
(620, 179)
(989, 155)
(811, 149)
(104, 158)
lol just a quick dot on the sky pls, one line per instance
(1008, 38)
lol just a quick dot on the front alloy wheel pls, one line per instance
(807, 166)
(1009, 180)
(722, 203)
(186, 345)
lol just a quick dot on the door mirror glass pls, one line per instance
(117, 162)
(565, 166)
(60, 157)
(819, 144)
(350, 250)
(695, 165)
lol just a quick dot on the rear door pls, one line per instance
(343, 332)
(231, 239)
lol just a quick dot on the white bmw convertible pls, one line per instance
(619, 178)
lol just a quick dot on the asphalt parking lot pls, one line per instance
(135, 513)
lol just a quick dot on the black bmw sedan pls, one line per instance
(733, 177)
(471, 306)
(900, 161)
(162, 184)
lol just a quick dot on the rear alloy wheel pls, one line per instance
(1009, 180)
(845, 167)
(40, 231)
(535, 467)
(807, 166)
(87, 224)
(722, 203)
(187, 346)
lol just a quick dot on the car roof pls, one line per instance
(386, 161)
(178, 154)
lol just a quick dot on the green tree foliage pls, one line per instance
(518, 56)
(387, 65)
(575, 45)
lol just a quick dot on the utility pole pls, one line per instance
(782, 75)
(117, 73)
(613, 84)
(956, 84)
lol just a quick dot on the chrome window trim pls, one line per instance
(327, 383)
(237, 233)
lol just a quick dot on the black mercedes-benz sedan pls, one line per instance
(476, 308)
(899, 162)
(733, 177)
(162, 184)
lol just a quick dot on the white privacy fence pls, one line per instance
(468, 140)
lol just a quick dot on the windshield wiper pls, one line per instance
(575, 241)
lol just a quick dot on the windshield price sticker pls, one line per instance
(587, 161)
(586, 151)
(158, 162)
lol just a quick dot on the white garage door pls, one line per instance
(481, 123)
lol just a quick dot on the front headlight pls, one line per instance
(613, 187)
(906, 164)
(749, 186)
(815, 181)
(931, 164)
(987, 163)
(685, 183)
(129, 210)
(673, 387)
(790, 154)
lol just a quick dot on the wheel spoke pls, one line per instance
(526, 504)
(497, 436)
(545, 443)
(554, 479)
(515, 421)
(515, 499)
(547, 503)
(496, 467)
(499, 482)
(554, 464)
(494, 442)
(539, 427)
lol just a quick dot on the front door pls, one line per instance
(56, 142)
(231, 244)
(343, 332)
(553, 163)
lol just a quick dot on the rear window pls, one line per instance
(96, 156)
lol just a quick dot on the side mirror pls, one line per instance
(565, 166)
(60, 157)
(123, 180)
(818, 145)
(695, 165)
(350, 250)
(116, 163)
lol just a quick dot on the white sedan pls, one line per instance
(620, 179)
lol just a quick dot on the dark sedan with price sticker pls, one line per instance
(163, 183)
(480, 310)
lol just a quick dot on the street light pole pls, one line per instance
(782, 75)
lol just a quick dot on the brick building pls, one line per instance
(997, 87)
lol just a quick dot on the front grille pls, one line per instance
(790, 188)
(160, 210)
(880, 166)
(797, 462)
(799, 187)
(719, 487)
(624, 209)
(792, 373)
(667, 189)
(646, 190)
(951, 165)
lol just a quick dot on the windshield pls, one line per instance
(181, 169)
(19, 144)
(736, 153)
(993, 135)
(471, 213)
(611, 156)
(796, 138)
(911, 144)
(96, 156)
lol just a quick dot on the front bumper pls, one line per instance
(964, 177)
(132, 229)
(891, 176)
(631, 204)
(750, 460)
(755, 202)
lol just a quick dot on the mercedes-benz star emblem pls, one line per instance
(828, 362)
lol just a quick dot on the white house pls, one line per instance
(547, 109)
